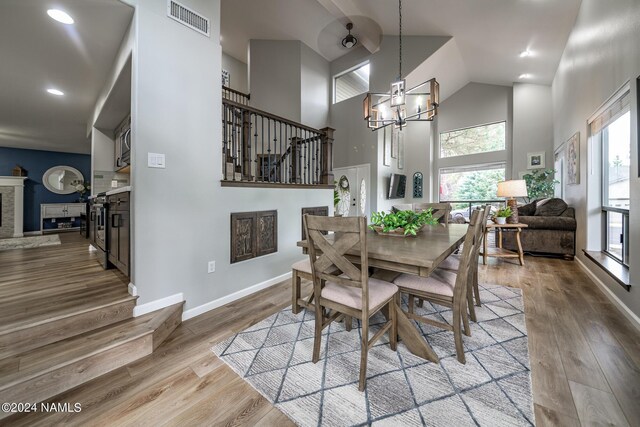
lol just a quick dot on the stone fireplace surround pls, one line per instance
(12, 193)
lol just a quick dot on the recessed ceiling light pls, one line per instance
(60, 16)
(55, 92)
(525, 53)
(525, 76)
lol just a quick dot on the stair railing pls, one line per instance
(262, 148)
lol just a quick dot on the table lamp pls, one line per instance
(511, 190)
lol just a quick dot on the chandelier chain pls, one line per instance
(400, 39)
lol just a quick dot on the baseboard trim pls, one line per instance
(32, 233)
(196, 311)
(635, 320)
(158, 304)
(133, 291)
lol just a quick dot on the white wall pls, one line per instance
(473, 105)
(532, 124)
(601, 55)
(181, 214)
(239, 73)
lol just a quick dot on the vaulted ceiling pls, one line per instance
(39, 53)
(489, 34)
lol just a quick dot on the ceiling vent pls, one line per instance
(188, 17)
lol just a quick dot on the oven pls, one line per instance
(98, 229)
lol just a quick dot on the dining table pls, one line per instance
(418, 255)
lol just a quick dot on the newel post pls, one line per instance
(327, 155)
(246, 146)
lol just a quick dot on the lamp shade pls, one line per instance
(513, 188)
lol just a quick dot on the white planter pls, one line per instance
(501, 220)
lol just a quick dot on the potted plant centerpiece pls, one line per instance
(502, 215)
(402, 223)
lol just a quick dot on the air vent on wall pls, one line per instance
(188, 17)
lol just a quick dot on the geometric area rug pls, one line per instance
(492, 389)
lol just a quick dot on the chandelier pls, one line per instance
(401, 105)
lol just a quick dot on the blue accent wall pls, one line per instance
(37, 162)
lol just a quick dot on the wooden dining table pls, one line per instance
(418, 255)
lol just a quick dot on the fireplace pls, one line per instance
(11, 206)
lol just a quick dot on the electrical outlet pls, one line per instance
(211, 266)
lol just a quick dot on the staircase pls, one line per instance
(61, 329)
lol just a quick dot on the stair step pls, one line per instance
(47, 371)
(34, 322)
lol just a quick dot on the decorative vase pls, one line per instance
(501, 220)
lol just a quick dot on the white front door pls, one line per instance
(352, 184)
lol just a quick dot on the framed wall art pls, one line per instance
(573, 159)
(535, 160)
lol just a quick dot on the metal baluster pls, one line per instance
(269, 150)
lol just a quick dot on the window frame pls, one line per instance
(470, 168)
(347, 71)
(606, 209)
(504, 122)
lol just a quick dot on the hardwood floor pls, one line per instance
(585, 357)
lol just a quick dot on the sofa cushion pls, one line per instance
(550, 207)
(549, 222)
(527, 210)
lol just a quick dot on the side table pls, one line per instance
(499, 251)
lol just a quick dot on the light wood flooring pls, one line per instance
(585, 356)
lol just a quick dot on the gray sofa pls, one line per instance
(552, 229)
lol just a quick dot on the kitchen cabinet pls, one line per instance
(119, 231)
(69, 213)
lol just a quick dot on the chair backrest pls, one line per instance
(402, 207)
(482, 224)
(328, 252)
(441, 211)
(470, 249)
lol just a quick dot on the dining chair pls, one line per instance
(446, 288)
(300, 270)
(452, 263)
(441, 211)
(352, 293)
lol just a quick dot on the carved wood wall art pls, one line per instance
(318, 211)
(253, 234)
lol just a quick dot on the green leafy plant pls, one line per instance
(336, 195)
(408, 220)
(504, 212)
(540, 183)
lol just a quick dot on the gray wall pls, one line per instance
(601, 55)
(181, 213)
(239, 72)
(274, 77)
(473, 105)
(532, 124)
(315, 88)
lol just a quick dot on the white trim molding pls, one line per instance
(133, 291)
(626, 311)
(158, 304)
(196, 311)
(17, 182)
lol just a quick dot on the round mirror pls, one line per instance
(62, 179)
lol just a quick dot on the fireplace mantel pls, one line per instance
(17, 182)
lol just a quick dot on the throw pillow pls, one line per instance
(550, 207)
(527, 210)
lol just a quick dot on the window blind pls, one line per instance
(610, 112)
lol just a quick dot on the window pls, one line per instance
(351, 83)
(471, 183)
(616, 162)
(474, 140)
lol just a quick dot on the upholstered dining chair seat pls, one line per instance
(379, 293)
(440, 282)
(450, 263)
(304, 266)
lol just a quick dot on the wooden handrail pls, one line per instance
(270, 115)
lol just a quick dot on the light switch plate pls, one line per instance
(211, 267)
(156, 160)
